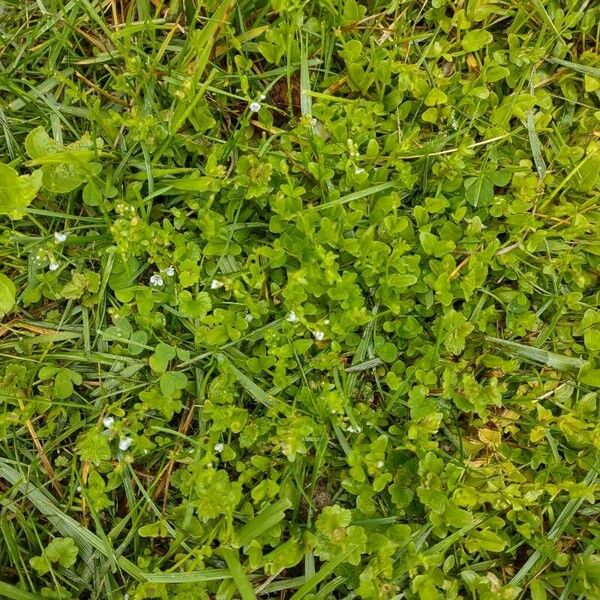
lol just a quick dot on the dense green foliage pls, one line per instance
(299, 299)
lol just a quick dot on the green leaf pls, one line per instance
(387, 352)
(485, 540)
(62, 551)
(194, 307)
(434, 246)
(479, 190)
(172, 381)
(63, 386)
(93, 446)
(589, 377)
(64, 168)
(456, 328)
(17, 192)
(163, 354)
(590, 324)
(435, 97)
(8, 293)
(336, 536)
(476, 39)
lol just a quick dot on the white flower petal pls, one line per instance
(124, 444)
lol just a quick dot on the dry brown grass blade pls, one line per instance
(42, 454)
(165, 477)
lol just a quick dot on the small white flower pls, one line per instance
(219, 447)
(358, 171)
(380, 464)
(254, 106)
(156, 280)
(170, 271)
(108, 422)
(215, 284)
(326, 321)
(292, 317)
(124, 444)
(262, 97)
(53, 266)
(79, 489)
(248, 317)
(319, 335)
(352, 429)
(60, 237)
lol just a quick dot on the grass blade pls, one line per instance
(537, 355)
(263, 522)
(585, 69)
(244, 587)
(534, 140)
(14, 593)
(258, 394)
(327, 569)
(188, 576)
(374, 189)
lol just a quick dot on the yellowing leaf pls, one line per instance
(17, 192)
(490, 437)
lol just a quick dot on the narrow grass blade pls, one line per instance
(14, 593)
(534, 140)
(541, 9)
(361, 353)
(263, 522)
(327, 569)
(66, 525)
(259, 395)
(536, 147)
(374, 189)
(43, 88)
(365, 366)
(585, 69)
(87, 541)
(537, 355)
(244, 587)
(188, 576)
(285, 584)
(305, 99)
(443, 545)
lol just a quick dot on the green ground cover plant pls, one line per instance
(299, 299)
